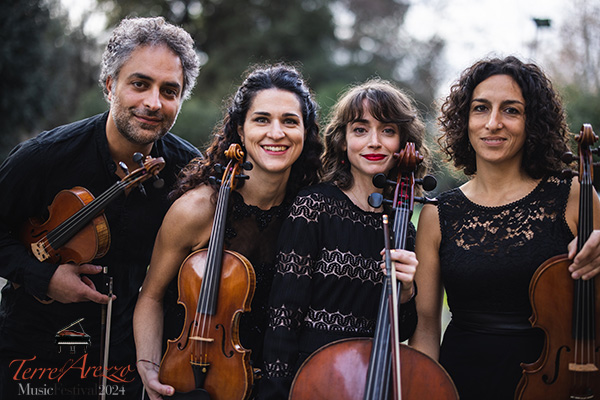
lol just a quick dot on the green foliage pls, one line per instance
(48, 70)
(43, 65)
(233, 35)
(582, 106)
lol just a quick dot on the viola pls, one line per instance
(216, 286)
(363, 368)
(76, 230)
(567, 310)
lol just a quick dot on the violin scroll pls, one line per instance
(585, 139)
(233, 168)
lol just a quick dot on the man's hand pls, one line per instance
(67, 285)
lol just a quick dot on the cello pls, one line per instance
(362, 368)
(215, 287)
(567, 310)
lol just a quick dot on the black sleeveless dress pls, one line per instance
(487, 257)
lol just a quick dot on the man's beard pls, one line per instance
(133, 130)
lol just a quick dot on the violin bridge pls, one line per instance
(202, 339)
(39, 251)
(582, 367)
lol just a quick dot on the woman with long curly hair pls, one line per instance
(503, 124)
(273, 116)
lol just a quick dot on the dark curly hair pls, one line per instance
(259, 78)
(386, 103)
(545, 121)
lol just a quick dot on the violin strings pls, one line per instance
(212, 269)
(584, 290)
(68, 228)
(75, 222)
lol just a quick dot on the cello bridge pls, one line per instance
(582, 367)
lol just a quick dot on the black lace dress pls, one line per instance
(488, 256)
(253, 233)
(327, 285)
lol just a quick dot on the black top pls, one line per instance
(75, 155)
(253, 233)
(328, 282)
(488, 256)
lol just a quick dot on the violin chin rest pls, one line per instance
(196, 394)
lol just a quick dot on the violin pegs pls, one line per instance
(138, 158)
(379, 180)
(375, 199)
(242, 176)
(247, 166)
(568, 173)
(568, 157)
(213, 180)
(428, 182)
(219, 169)
(158, 183)
(124, 167)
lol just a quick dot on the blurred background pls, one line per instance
(50, 51)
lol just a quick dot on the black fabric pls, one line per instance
(487, 257)
(253, 233)
(76, 155)
(328, 282)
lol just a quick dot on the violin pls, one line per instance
(77, 230)
(567, 310)
(215, 286)
(364, 368)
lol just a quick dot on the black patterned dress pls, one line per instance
(488, 256)
(327, 284)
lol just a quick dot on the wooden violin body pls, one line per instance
(556, 375)
(189, 362)
(339, 371)
(77, 230)
(215, 287)
(566, 309)
(90, 242)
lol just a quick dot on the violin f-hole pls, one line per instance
(545, 378)
(224, 341)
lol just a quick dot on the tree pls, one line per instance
(576, 66)
(233, 35)
(43, 66)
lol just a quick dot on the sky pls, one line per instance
(476, 29)
(471, 29)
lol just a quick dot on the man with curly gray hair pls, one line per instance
(149, 68)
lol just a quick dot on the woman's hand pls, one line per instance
(405, 264)
(586, 264)
(148, 371)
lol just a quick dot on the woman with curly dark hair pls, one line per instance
(503, 124)
(273, 116)
(329, 277)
